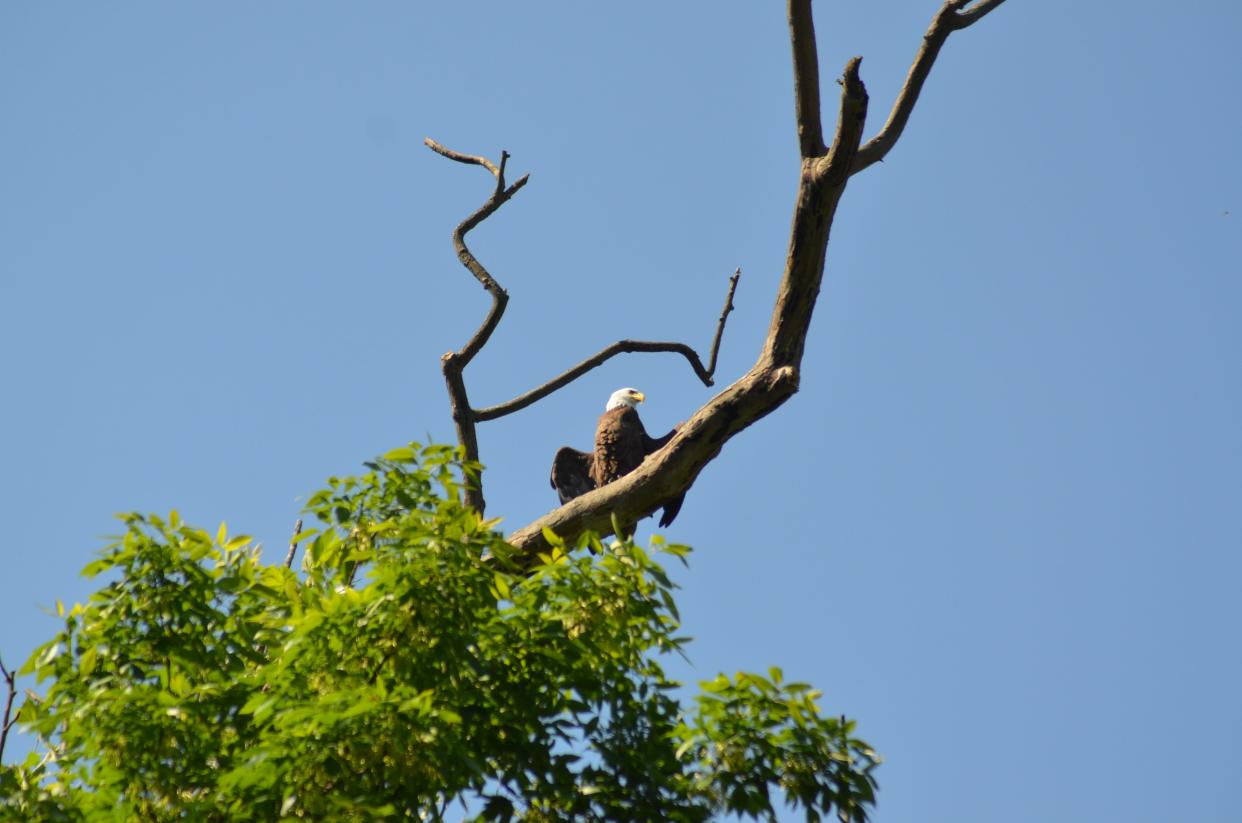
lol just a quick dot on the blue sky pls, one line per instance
(999, 525)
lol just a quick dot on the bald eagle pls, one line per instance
(621, 443)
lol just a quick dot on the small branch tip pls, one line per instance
(953, 16)
(293, 544)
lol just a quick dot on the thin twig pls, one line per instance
(461, 158)
(705, 374)
(724, 314)
(293, 544)
(11, 683)
(966, 16)
(952, 16)
(598, 359)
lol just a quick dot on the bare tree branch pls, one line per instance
(966, 16)
(10, 682)
(720, 324)
(461, 158)
(293, 544)
(705, 374)
(453, 364)
(822, 184)
(806, 79)
(953, 15)
(594, 361)
(500, 298)
(851, 119)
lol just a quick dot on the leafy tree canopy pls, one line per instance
(412, 671)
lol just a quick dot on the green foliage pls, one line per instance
(411, 666)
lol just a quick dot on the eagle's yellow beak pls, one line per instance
(639, 396)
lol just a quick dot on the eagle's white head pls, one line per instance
(624, 397)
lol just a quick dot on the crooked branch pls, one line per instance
(453, 363)
(469, 159)
(500, 196)
(953, 15)
(720, 324)
(704, 373)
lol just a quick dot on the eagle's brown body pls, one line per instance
(621, 444)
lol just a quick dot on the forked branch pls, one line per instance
(953, 15)
(453, 364)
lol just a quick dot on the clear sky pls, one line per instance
(1000, 523)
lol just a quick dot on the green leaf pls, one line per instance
(404, 454)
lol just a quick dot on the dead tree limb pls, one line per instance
(806, 80)
(704, 373)
(953, 15)
(453, 364)
(720, 324)
(774, 378)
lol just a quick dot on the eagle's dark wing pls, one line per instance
(571, 473)
(654, 443)
(672, 506)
